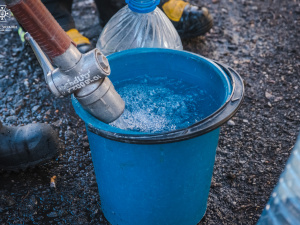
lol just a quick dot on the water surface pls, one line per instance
(161, 104)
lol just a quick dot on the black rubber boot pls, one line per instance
(61, 11)
(189, 20)
(26, 146)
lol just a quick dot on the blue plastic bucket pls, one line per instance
(164, 178)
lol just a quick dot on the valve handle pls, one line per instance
(41, 25)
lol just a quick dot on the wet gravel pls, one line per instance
(260, 39)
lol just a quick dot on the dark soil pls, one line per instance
(260, 39)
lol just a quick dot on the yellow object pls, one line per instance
(53, 182)
(77, 37)
(21, 34)
(174, 9)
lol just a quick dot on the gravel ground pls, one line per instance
(260, 39)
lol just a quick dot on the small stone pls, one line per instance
(17, 110)
(277, 99)
(57, 123)
(20, 103)
(269, 95)
(23, 73)
(231, 176)
(231, 123)
(17, 49)
(11, 119)
(35, 108)
(52, 214)
(62, 212)
(85, 138)
(86, 144)
(26, 83)
(69, 134)
(224, 10)
(245, 121)
(232, 47)
(48, 112)
(10, 92)
(222, 40)
(9, 99)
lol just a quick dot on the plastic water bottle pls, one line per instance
(140, 24)
(283, 207)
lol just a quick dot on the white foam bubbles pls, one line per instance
(159, 104)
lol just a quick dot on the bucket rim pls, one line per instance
(211, 122)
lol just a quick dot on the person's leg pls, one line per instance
(189, 20)
(26, 146)
(107, 8)
(61, 11)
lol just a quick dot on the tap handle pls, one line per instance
(41, 25)
(42, 58)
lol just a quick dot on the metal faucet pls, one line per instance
(84, 75)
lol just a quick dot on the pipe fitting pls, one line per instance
(90, 68)
(85, 75)
(102, 100)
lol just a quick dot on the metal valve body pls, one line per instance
(85, 76)
(76, 71)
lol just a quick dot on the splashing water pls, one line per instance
(160, 104)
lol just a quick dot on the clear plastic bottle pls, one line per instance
(140, 24)
(284, 204)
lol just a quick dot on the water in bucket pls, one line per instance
(161, 177)
(161, 104)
